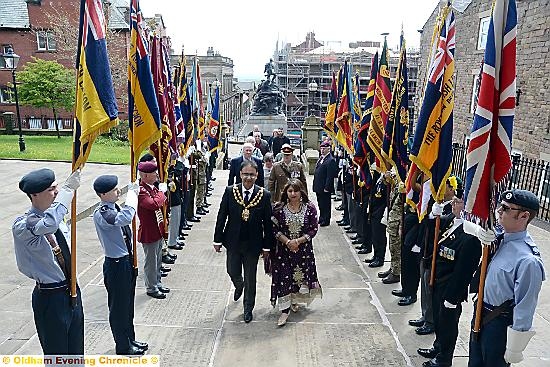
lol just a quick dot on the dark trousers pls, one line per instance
(345, 213)
(488, 350)
(379, 238)
(191, 202)
(184, 204)
(119, 280)
(59, 325)
(323, 199)
(446, 325)
(410, 271)
(237, 260)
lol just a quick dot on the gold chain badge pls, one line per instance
(239, 199)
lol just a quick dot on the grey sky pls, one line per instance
(247, 31)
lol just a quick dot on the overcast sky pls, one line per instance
(247, 31)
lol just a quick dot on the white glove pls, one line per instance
(207, 155)
(486, 236)
(73, 181)
(448, 304)
(437, 209)
(163, 187)
(64, 196)
(186, 163)
(132, 195)
(384, 220)
(516, 342)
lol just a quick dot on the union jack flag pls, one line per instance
(93, 16)
(488, 158)
(137, 17)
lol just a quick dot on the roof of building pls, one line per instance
(14, 14)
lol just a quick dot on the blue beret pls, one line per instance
(522, 198)
(105, 183)
(37, 181)
(147, 167)
(146, 157)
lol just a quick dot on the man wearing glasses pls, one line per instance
(514, 278)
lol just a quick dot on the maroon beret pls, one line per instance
(147, 167)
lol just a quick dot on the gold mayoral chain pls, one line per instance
(253, 202)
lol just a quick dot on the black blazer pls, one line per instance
(323, 178)
(235, 169)
(229, 221)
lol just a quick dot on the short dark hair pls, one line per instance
(247, 163)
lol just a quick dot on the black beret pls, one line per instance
(147, 167)
(522, 198)
(146, 157)
(105, 183)
(37, 181)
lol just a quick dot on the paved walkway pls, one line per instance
(356, 323)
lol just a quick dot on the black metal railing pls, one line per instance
(525, 174)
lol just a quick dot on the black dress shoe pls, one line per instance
(157, 294)
(347, 228)
(407, 300)
(200, 212)
(131, 351)
(194, 219)
(172, 256)
(187, 227)
(350, 231)
(383, 274)
(399, 293)
(180, 241)
(357, 241)
(376, 263)
(340, 207)
(364, 251)
(416, 322)
(140, 345)
(208, 194)
(435, 363)
(238, 293)
(182, 237)
(391, 278)
(167, 259)
(163, 274)
(165, 269)
(212, 178)
(427, 352)
(344, 224)
(356, 237)
(425, 330)
(175, 247)
(360, 247)
(164, 289)
(368, 261)
(247, 316)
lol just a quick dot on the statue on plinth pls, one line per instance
(268, 99)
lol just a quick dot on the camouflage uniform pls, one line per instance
(201, 162)
(394, 222)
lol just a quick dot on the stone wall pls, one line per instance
(531, 135)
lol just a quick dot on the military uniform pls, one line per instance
(112, 225)
(280, 174)
(201, 162)
(37, 235)
(394, 222)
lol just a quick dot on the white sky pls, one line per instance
(247, 31)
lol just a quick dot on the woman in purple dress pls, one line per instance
(294, 274)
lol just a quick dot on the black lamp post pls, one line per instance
(11, 60)
(312, 87)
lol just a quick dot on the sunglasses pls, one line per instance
(506, 208)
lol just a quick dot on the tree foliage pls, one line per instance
(44, 83)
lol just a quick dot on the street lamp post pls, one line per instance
(11, 60)
(312, 87)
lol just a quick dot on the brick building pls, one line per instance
(531, 135)
(49, 30)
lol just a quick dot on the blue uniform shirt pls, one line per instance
(33, 252)
(515, 272)
(108, 223)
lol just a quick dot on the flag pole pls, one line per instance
(434, 252)
(134, 225)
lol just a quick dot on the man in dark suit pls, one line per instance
(235, 166)
(244, 228)
(323, 182)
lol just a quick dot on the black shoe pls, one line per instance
(208, 194)
(416, 322)
(425, 330)
(140, 345)
(356, 237)
(131, 351)
(247, 316)
(175, 247)
(182, 238)
(350, 231)
(172, 256)
(383, 274)
(364, 251)
(206, 205)
(164, 289)
(399, 293)
(434, 363)
(187, 227)
(180, 241)
(212, 178)
(343, 223)
(358, 241)
(167, 259)
(200, 212)
(427, 352)
(368, 261)
(376, 263)
(194, 219)
(165, 269)
(338, 199)
(347, 228)
(238, 293)
(391, 278)
(163, 274)
(407, 300)
(340, 207)
(157, 294)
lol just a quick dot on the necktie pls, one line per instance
(246, 197)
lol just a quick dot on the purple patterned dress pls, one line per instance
(294, 274)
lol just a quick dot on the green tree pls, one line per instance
(44, 83)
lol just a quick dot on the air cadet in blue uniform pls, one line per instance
(512, 284)
(112, 224)
(42, 253)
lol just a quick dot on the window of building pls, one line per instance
(483, 30)
(45, 41)
(6, 95)
(4, 50)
